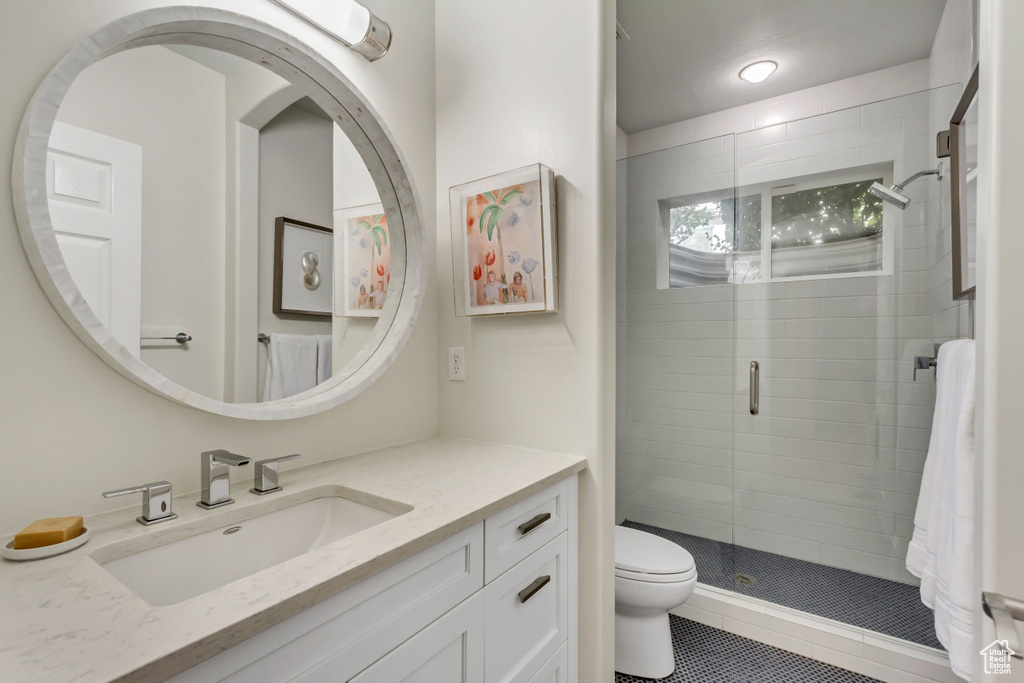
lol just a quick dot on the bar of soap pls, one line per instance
(44, 532)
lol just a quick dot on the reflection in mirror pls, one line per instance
(167, 171)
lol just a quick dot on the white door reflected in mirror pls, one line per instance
(99, 222)
(169, 166)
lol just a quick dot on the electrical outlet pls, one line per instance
(456, 363)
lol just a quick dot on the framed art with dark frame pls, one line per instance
(303, 268)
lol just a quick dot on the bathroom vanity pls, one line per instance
(471, 578)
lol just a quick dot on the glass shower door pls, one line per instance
(674, 452)
(827, 465)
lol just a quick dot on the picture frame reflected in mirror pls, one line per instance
(303, 268)
(366, 268)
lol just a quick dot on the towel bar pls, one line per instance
(181, 338)
(925, 362)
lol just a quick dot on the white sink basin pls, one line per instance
(176, 571)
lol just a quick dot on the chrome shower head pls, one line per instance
(889, 194)
(894, 195)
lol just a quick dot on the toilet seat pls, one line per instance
(640, 556)
(654, 578)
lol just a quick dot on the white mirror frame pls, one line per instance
(319, 79)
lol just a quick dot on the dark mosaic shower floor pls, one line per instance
(880, 605)
(705, 654)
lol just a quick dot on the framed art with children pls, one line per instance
(504, 250)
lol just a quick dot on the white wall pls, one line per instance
(72, 426)
(999, 429)
(508, 96)
(254, 95)
(829, 471)
(174, 109)
(296, 181)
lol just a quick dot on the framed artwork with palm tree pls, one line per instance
(504, 249)
(366, 258)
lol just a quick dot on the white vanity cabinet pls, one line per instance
(450, 649)
(496, 603)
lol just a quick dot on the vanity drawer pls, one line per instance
(527, 614)
(348, 632)
(512, 534)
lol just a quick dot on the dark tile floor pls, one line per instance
(880, 605)
(708, 655)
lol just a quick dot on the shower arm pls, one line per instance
(931, 171)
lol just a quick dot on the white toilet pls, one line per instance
(652, 576)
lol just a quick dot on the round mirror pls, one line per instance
(217, 212)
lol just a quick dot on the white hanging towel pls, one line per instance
(941, 552)
(291, 365)
(323, 357)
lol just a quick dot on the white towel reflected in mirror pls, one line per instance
(295, 363)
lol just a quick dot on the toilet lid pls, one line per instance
(639, 554)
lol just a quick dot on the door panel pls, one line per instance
(94, 187)
(448, 651)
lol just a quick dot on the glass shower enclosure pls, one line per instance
(770, 309)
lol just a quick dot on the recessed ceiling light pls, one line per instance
(758, 71)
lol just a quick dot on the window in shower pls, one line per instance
(713, 239)
(826, 230)
(827, 225)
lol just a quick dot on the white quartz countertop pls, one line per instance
(66, 619)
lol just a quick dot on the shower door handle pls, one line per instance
(755, 388)
(1005, 612)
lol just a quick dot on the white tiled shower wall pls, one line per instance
(830, 469)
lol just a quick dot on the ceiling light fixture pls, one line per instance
(347, 22)
(758, 71)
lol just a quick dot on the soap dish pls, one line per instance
(46, 551)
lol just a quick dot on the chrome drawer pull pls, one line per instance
(530, 590)
(527, 527)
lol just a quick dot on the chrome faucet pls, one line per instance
(216, 481)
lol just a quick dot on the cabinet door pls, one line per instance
(556, 669)
(350, 631)
(527, 614)
(451, 650)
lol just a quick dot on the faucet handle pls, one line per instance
(265, 480)
(156, 501)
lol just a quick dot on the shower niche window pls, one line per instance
(822, 226)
